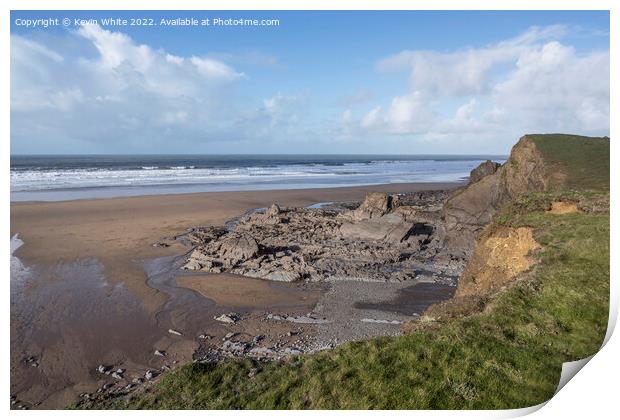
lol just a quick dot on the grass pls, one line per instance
(584, 160)
(507, 356)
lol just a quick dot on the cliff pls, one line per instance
(537, 163)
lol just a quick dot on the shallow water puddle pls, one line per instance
(412, 300)
(69, 319)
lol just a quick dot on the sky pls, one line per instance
(418, 82)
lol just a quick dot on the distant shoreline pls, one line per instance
(106, 193)
(62, 178)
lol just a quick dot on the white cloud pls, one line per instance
(113, 94)
(554, 87)
(409, 114)
(215, 69)
(530, 83)
(123, 96)
(463, 72)
(371, 119)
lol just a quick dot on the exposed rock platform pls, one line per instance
(386, 238)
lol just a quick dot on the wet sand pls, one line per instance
(224, 289)
(96, 294)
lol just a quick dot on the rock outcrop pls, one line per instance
(375, 205)
(381, 240)
(484, 169)
(469, 209)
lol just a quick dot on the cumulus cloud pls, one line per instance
(371, 119)
(125, 96)
(530, 83)
(116, 95)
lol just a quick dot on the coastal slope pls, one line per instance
(534, 295)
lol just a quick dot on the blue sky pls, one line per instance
(320, 82)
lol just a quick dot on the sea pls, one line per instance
(69, 177)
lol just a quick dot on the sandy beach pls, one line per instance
(90, 298)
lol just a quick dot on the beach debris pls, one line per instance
(230, 318)
(117, 375)
(174, 332)
(205, 337)
(161, 353)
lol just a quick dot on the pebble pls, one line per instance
(230, 318)
(161, 353)
(229, 336)
(104, 369)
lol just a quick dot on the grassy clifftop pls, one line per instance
(584, 161)
(506, 354)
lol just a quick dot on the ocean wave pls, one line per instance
(243, 173)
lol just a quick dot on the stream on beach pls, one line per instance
(67, 319)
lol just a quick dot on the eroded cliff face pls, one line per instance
(471, 208)
(500, 256)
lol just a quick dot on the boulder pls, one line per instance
(198, 260)
(376, 204)
(238, 248)
(273, 211)
(388, 228)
